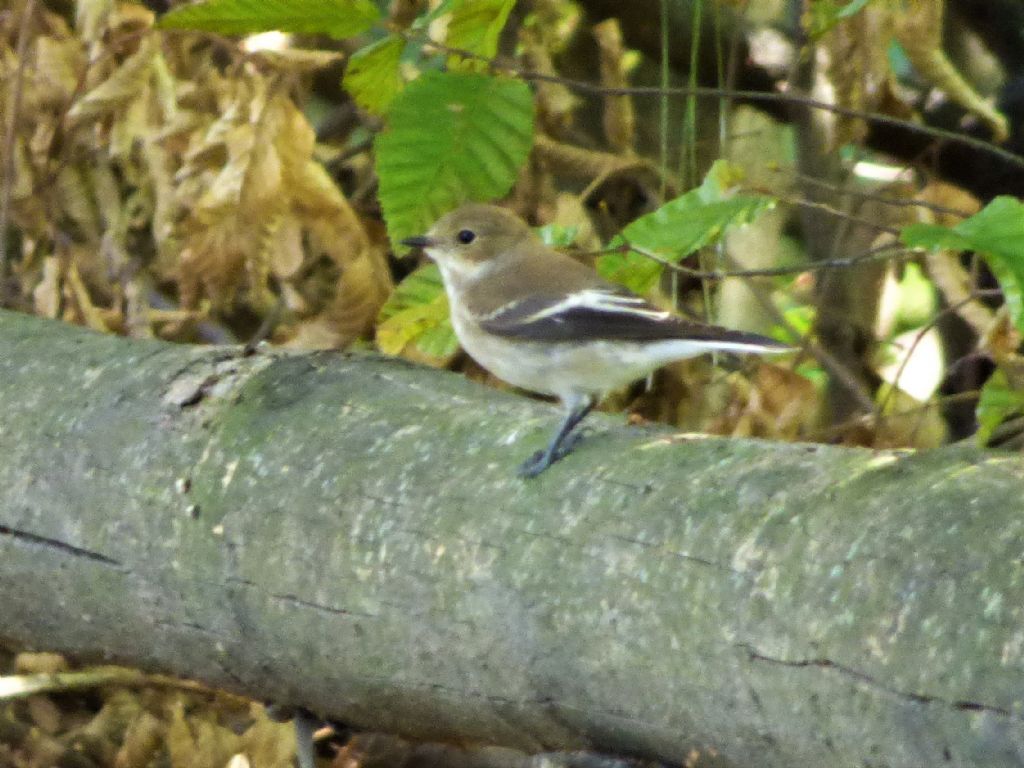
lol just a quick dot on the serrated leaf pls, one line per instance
(373, 76)
(998, 401)
(997, 233)
(638, 273)
(680, 227)
(335, 18)
(416, 314)
(476, 25)
(421, 286)
(452, 137)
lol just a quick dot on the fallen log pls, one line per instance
(346, 533)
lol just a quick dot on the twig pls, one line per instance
(919, 336)
(879, 253)
(793, 98)
(836, 213)
(896, 202)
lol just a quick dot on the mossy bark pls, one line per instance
(346, 533)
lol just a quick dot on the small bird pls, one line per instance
(544, 322)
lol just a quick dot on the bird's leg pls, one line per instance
(564, 441)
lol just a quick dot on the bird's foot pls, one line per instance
(543, 459)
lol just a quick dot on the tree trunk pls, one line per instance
(346, 533)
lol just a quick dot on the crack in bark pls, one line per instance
(863, 677)
(60, 546)
(546, 535)
(296, 600)
(320, 606)
(675, 553)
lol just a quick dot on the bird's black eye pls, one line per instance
(466, 236)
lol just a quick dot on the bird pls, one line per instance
(544, 322)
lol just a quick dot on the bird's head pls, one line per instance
(472, 237)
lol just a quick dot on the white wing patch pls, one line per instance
(599, 301)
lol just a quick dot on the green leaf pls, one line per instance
(917, 298)
(557, 236)
(452, 137)
(475, 25)
(852, 7)
(417, 313)
(638, 273)
(998, 402)
(997, 233)
(934, 237)
(823, 15)
(680, 227)
(373, 76)
(335, 18)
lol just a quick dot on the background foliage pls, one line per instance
(170, 176)
(846, 182)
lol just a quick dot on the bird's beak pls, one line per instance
(420, 241)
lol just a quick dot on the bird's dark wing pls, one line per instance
(605, 315)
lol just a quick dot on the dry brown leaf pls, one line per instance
(142, 740)
(91, 18)
(224, 193)
(46, 294)
(58, 65)
(198, 741)
(1001, 339)
(45, 714)
(857, 71)
(619, 116)
(125, 84)
(789, 403)
(555, 102)
(213, 266)
(297, 60)
(23, 173)
(218, 167)
(284, 246)
(40, 663)
(919, 29)
(131, 124)
(261, 190)
(107, 192)
(75, 199)
(773, 402)
(158, 170)
(88, 311)
(268, 744)
(908, 423)
(129, 18)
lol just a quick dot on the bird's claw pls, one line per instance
(541, 460)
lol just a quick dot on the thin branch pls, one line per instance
(919, 336)
(791, 98)
(896, 202)
(835, 431)
(836, 213)
(884, 252)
